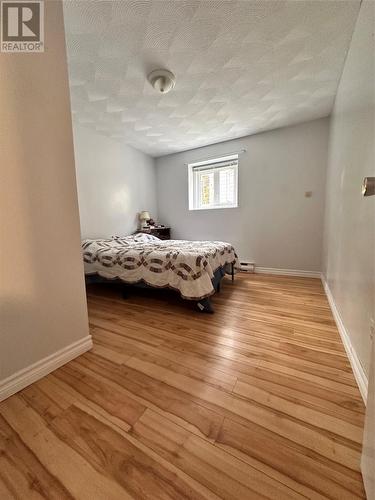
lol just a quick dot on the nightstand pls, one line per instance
(164, 233)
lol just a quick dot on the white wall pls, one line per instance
(349, 243)
(42, 295)
(115, 182)
(275, 224)
(349, 249)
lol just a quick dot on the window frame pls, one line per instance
(215, 165)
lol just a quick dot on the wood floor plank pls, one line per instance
(307, 395)
(22, 475)
(343, 450)
(57, 386)
(317, 418)
(255, 401)
(247, 345)
(209, 363)
(182, 362)
(236, 369)
(42, 401)
(91, 388)
(114, 455)
(347, 387)
(56, 458)
(223, 473)
(338, 370)
(156, 395)
(289, 464)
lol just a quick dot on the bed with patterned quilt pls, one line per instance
(193, 268)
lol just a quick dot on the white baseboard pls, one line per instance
(41, 368)
(288, 272)
(358, 371)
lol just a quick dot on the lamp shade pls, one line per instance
(144, 215)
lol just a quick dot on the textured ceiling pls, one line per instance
(241, 66)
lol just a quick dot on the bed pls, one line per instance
(193, 268)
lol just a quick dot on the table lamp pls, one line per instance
(143, 217)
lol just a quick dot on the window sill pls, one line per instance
(213, 208)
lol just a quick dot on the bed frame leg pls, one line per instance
(232, 271)
(205, 306)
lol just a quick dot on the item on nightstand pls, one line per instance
(144, 216)
(161, 232)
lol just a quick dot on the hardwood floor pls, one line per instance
(255, 401)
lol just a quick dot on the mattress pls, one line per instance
(186, 266)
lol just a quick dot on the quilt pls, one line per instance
(186, 266)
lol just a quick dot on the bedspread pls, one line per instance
(187, 266)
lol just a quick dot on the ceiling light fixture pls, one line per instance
(162, 80)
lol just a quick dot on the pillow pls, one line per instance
(138, 238)
(144, 237)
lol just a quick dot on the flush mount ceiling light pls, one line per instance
(162, 80)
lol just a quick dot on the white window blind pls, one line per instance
(214, 183)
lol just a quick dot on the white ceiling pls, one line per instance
(241, 66)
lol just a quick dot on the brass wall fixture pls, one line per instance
(368, 186)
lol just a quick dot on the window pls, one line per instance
(214, 183)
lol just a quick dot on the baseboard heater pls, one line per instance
(247, 267)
